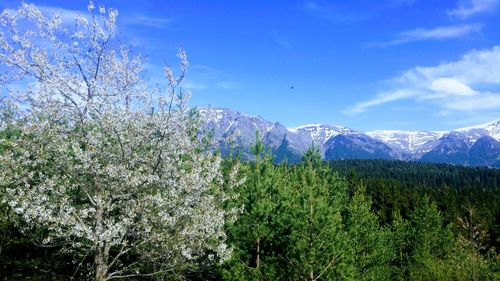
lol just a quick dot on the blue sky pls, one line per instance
(395, 64)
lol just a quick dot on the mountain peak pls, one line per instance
(492, 128)
(320, 133)
(235, 130)
(408, 141)
(494, 123)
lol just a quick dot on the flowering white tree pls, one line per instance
(106, 166)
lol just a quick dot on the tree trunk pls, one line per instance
(101, 268)
(102, 249)
(257, 260)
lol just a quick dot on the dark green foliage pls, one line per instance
(310, 226)
(400, 186)
(430, 241)
(253, 233)
(317, 248)
(421, 174)
(343, 220)
(371, 243)
(385, 220)
(427, 249)
(285, 154)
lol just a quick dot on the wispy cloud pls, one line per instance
(148, 21)
(438, 33)
(381, 98)
(404, 2)
(202, 77)
(330, 13)
(467, 8)
(280, 39)
(193, 85)
(68, 16)
(227, 85)
(199, 78)
(467, 85)
(283, 43)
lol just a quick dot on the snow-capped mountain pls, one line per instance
(458, 147)
(491, 129)
(321, 133)
(438, 146)
(485, 151)
(408, 142)
(236, 132)
(453, 147)
(475, 146)
(355, 146)
(227, 123)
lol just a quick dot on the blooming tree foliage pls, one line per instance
(108, 167)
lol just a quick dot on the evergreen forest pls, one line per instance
(317, 220)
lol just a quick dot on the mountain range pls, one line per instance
(235, 131)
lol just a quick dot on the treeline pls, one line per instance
(344, 220)
(421, 174)
(456, 190)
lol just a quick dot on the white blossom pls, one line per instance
(104, 163)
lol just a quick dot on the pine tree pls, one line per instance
(400, 234)
(318, 242)
(369, 242)
(432, 242)
(254, 233)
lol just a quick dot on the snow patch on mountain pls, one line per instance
(408, 141)
(321, 133)
(235, 130)
(491, 128)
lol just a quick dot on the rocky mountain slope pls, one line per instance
(235, 131)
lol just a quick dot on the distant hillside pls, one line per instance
(472, 146)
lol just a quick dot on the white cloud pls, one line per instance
(68, 16)
(333, 13)
(450, 86)
(203, 77)
(227, 85)
(475, 67)
(438, 33)
(484, 101)
(192, 85)
(149, 21)
(467, 84)
(378, 100)
(467, 8)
